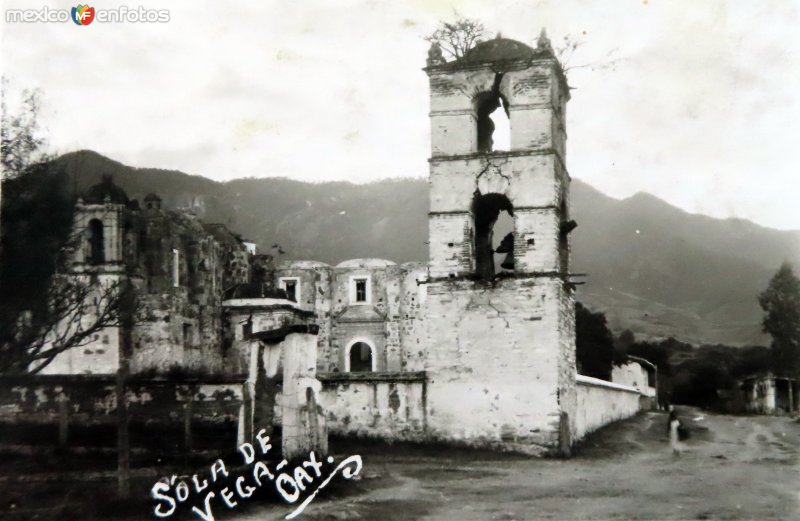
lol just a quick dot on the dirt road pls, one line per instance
(733, 467)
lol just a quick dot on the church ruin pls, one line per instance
(476, 347)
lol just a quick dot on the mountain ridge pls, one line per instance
(653, 267)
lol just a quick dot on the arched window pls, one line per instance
(486, 209)
(97, 253)
(360, 358)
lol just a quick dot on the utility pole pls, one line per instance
(127, 304)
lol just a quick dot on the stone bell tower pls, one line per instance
(501, 344)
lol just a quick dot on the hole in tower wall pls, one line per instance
(565, 227)
(494, 126)
(492, 240)
(503, 242)
(502, 129)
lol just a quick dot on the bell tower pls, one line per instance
(501, 341)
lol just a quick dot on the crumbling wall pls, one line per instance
(180, 268)
(534, 183)
(303, 426)
(180, 325)
(246, 316)
(411, 320)
(315, 294)
(91, 400)
(389, 406)
(391, 321)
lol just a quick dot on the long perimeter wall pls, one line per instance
(601, 402)
(393, 406)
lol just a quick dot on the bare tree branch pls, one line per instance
(80, 307)
(458, 37)
(53, 308)
(570, 47)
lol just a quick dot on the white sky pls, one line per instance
(700, 106)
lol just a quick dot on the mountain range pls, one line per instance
(651, 267)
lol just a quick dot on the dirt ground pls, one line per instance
(732, 467)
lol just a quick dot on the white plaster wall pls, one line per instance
(601, 402)
(303, 427)
(494, 362)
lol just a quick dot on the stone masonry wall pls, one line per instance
(388, 406)
(391, 321)
(494, 363)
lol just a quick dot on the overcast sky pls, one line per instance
(695, 102)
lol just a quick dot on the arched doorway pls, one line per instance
(360, 357)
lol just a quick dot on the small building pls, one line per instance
(770, 394)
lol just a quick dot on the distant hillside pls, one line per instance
(652, 267)
(659, 270)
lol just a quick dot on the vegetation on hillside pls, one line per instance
(594, 344)
(705, 375)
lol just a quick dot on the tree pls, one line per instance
(45, 309)
(76, 311)
(622, 344)
(594, 344)
(700, 382)
(21, 141)
(781, 305)
(456, 38)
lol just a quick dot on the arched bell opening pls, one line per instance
(487, 210)
(96, 240)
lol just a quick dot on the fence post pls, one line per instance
(187, 421)
(247, 416)
(564, 436)
(123, 435)
(63, 420)
(126, 308)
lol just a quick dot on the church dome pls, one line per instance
(105, 191)
(498, 49)
(366, 263)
